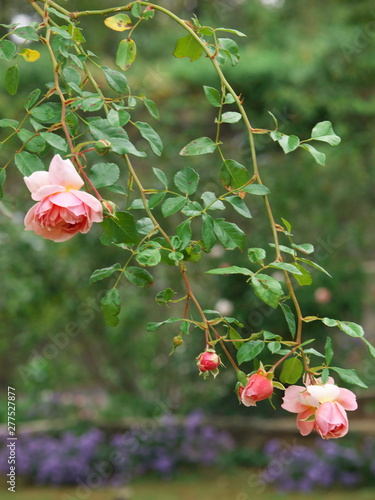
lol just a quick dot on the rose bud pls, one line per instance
(258, 387)
(102, 147)
(208, 361)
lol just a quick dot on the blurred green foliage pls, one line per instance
(304, 62)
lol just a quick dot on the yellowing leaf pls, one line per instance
(119, 22)
(30, 55)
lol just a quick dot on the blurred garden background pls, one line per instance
(86, 391)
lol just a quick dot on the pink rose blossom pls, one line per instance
(62, 210)
(320, 407)
(208, 361)
(258, 387)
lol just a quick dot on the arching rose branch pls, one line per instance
(77, 115)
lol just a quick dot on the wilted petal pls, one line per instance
(63, 172)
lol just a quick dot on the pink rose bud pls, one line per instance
(62, 210)
(331, 420)
(208, 361)
(258, 387)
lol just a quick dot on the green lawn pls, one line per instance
(211, 485)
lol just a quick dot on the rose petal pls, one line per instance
(89, 200)
(347, 399)
(303, 426)
(36, 180)
(65, 199)
(324, 393)
(291, 400)
(45, 191)
(63, 172)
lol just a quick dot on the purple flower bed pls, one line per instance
(327, 465)
(157, 448)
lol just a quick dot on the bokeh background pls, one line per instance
(85, 389)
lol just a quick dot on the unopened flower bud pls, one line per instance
(103, 147)
(109, 207)
(177, 341)
(258, 387)
(208, 361)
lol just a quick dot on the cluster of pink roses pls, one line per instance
(62, 209)
(320, 407)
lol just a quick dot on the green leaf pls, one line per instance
(231, 270)
(349, 375)
(234, 335)
(270, 335)
(213, 96)
(306, 248)
(33, 143)
(152, 108)
(233, 174)
(229, 234)
(92, 104)
(2, 180)
(289, 317)
(186, 180)
(208, 234)
(188, 46)
(239, 205)
(138, 276)
(149, 257)
(28, 163)
(144, 225)
(249, 350)
(256, 189)
(314, 264)
(200, 146)
(104, 174)
(230, 49)
(319, 157)
(165, 296)
(211, 202)
(121, 228)
(274, 347)
(152, 327)
(267, 289)
(105, 272)
(126, 53)
(43, 113)
(351, 329)
(256, 255)
(111, 307)
(173, 205)
(313, 351)
(136, 9)
(7, 122)
(161, 176)
(152, 137)
(230, 30)
(184, 232)
(290, 268)
(292, 371)
(370, 347)
(116, 80)
(230, 117)
(124, 147)
(155, 199)
(55, 141)
(328, 350)
(11, 80)
(289, 143)
(51, 10)
(27, 33)
(330, 322)
(323, 131)
(305, 278)
(31, 99)
(62, 32)
(8, 50)
(71, 75)
(118, 118)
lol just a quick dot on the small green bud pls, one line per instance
(103, 147)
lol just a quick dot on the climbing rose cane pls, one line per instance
(320, 407)
(258, 387)
(62, 210)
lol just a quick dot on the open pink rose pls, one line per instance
(258, 387)
(62, 210)
(320, 407)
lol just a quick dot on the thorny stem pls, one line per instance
(225, 84)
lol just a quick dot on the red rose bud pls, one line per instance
(208, 361)
(258, 387)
